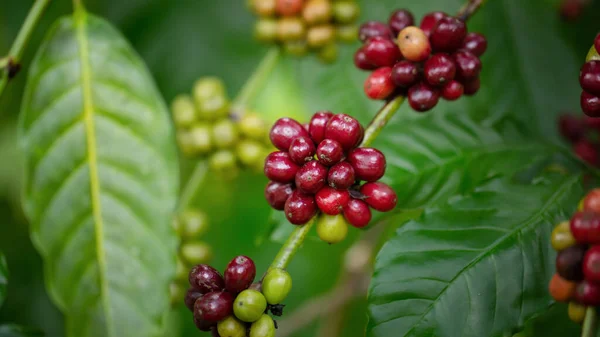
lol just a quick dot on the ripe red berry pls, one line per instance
(430, 21)
(571, 127)
(373, 29)
(381, 52)
(591, 264)
(302, 150)
(379, 84)
(332, 201)
(190, 298)
(586, 151)
(570, 10)
(448, 35)
(423, 97)
(203, 325)
(368, 163)
(471, 87)
(468, 66)
(284, 131)
(379, 196)
(214, 306)
(239, 274)
(585, 227)
(361, 61)
(592, 123)
(205, 279)
(345, 130)
(400, 19)
(569, 263)
(300, 208)
(277, 194)
(405, 74)
(475, 43)
(317, 125)
(588, 293)
(311, 177)
(288, 7)
(452, 90)
(341, 176)
(589, 77)
(439, 69)
(597, 43)
(330, 152)
(280, 167)
(590, 104)
(414, 44)
(357, 213)
(591, 202)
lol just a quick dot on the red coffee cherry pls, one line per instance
(591, 264)
(475, 43)
(330, 152)
(239, 274)
(414, 44)
(400, 19)
(468, 66)
(203, 325)
(591, 202)
(300, 208)
(311, 177)
(471, 87)
(585, 227)
(214, 306)
(405, 74)
(569, 263)
(430, 21)
(449, 34)
(341, 176)
(284, 131)
(452, 90)
(381, 52)
(332, 201)
(439, 69)
(361, 61)
(317, 125)
(280, 167)
(204, 279)
(588, 293)
(590, 104)
(190, 298)
(357, 213)
(379, 84)
(302, 150)
(368, 163)
(277, 194)
(423, 97)
(379, 196)
(373, 29)
(288, 7)
(571, 128)
(597, 43)
(345, 130)
(586, 151)
(589, 77)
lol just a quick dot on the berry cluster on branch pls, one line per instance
(589, 79)
(584, 135)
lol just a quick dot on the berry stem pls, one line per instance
(469, 9)
(381, 119)
(192, 186)
(590, 323)
(16, 50)
(291, 246)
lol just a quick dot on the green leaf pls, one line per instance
(3, 278)
(10, 330)
(101, 180)
(478, 265)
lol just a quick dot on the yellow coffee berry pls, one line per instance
(576, 312)
(320, 36)
(317, 11)
(289, 29)
(561, 237)
(414, 44)
(183, 110)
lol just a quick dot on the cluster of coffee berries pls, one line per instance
(584, 135)
(231, 305)
(190, 225)
(439, 59)
(206, 126)
(319, 166)
(589, 78)
(577, 278)
(300, 26)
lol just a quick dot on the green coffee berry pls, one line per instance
(200, 140)
(264, 327)
(181, 270)
(320, 36)
(347, 33)
(231, 327)
(332, 228)
(296, 48)
(345, 11)
(213, 108)
(249, 305)
(176, 224)
(265, 30)
(184, 142)
(276, 285)
(225, 133)
(176, 293)
(592, 55)
(253, 126)
(196, 252)
(317, 11)
(193, 223)
(290, 29)
(208, 87)
(251, 153)
(223, 162)
(329, 53)
(183, 110)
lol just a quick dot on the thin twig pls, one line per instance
(590, 323)
(469, 9)
(193, 184)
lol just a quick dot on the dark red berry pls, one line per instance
(341, 176)
(373, 29)
(361, 61)
(471, 87)
(330, 152)
(430, 21)
(284, 131)
(590, 104)
(317, 125)
(190, 298)
(379, 196)
(448, 35)
(591, 264)
(569, 263)
(400, 19)
(302, 150)
(205, 279)
(591, 122)
(311, 177)
(405, 74)
(570, 10)
(277, 194)
(468, 66)
(475, 43)
(214, 306)
(597, 43)
(381, 52)
(589, 77)
(357, 213)
(586, 151)
(571, 127)
(280, 167)
(379, 84)
(332, 201)
(300, 208)
(423, 97)
(585, 227)
(203, 325)
(345, 130)
(588, 293)
(368, 163)
(591, 202)
(239, 274)
(452, 90)
(439, 69)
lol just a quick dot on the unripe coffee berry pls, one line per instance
(373, 29)
(317, 125)
(300, 208)
(320, 36)
(239, 274)
(317, 11)
(346, 33)
(345, 130)
(277, 194)
(263, 7)
(405, 74)
(576, 312)
(381, 52)
(290, 29)
(400, 19)
(332, 228)
(265, 30)
(439, 69)
(280, 167)
(193, 223)
(569, 263)
(284, 131)
(231, 327)
(200, 138)
(449, 34)
(345, 12)
(208, 87)
(276, 285)
(311, 177)
(379, 84)
(263, 327)
(251, 154)
(224, 133)
(475, 43)
(379, 196)
(253, 126)
(341, 176)
(205, 279)
(561, 237)
(249, 305)
(183, 110)
(194, 252)
(414, 44)
(328, 54)
(452, 90)
(302, 150)
(223, 162)
(369, 164)
(430, 22)
(331, 201)
(423, 97)
(214, 306)
(357, 213)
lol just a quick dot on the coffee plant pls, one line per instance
(299, 168)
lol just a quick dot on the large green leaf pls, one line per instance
(476, 266)
(3, 278)
(101, 180)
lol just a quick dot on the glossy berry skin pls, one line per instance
(263, 327)
(249, 305)
(300, 208)
(468, 66)
(280, 167)
(190, 298)
(345, 130)
(361, 61)
(317, 124)
(276, 285)
(239, 274)
(414, 44)
(330, 152)
(284, 131)
(405, 74)
(302, 150)
(560, 289)
(589, 77)
(591, 264)
(439, 69)
(341, 176)
(357, 213)
(588, 293)
(590, 104)
(332, 228)
(474, 43)
(231, 327)
(569, 263)
(585, 227)
(373, 29)
(205, 279)
(277, 194)
(214, 306)
(571, 127)
(379, 196)
(368, 163)
(423, 97)
(448, 35)
(452, 90)
(591, 202)
(471, 87)
(379, 84)
(381, 52)
(331, 201)
(311, 177)
(561, 237)
(430, 21)
(400, 19)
